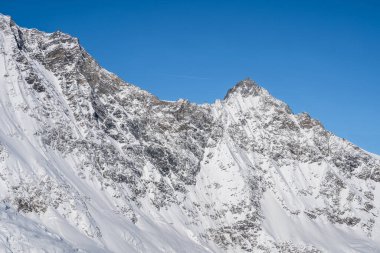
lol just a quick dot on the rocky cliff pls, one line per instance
(90, 163)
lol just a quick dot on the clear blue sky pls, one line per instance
(319, 56)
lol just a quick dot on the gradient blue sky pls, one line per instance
(319, 56)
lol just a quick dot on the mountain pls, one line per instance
(90, 163)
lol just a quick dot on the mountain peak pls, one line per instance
(105, 159)
(5, 19)
(246, 88)
(2, 16)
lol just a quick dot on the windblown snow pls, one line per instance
(89, 163)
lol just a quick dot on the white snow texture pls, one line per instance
(89, 163)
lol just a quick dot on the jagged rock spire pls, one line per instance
(245, 87)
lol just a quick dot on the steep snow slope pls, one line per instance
(90, 163)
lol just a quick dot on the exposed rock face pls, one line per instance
(91, 163)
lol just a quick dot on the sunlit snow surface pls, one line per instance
(264, 180)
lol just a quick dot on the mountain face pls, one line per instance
(89, 163)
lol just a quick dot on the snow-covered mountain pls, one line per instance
(89, 163)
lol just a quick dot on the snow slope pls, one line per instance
(89, 163)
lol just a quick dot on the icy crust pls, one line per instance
(107, 167)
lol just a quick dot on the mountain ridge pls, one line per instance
(93, 164)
